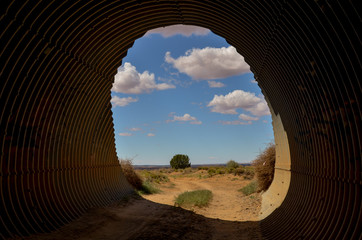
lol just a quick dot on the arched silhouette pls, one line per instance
(58, 59)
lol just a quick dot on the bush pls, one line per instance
(239, 171)
(148, 188)
(203, 168)
(250, 188)
(249, 173)
(220, 171)
(211, 172)
(264, 167)
(180, 161)
(156, 177)
(187, 171)
(199, 198)
(232, 164)
(132, 177)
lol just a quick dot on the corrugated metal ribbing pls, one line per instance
(58, 59)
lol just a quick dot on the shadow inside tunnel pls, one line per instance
(137, 218)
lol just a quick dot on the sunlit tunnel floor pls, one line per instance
(138, 218)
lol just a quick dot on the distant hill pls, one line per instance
(145, 167)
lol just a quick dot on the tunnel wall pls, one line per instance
(58, 59)
(274, 196)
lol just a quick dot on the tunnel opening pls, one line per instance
(58, 157)
(211, 87)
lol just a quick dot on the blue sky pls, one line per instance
(183, 89)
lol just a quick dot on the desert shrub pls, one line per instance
(180, 161)
(220, 171)
(249, 173)
(211, 172)
(232, 164)
(203, 168)
(238, 171)
(264, 167)
(250, 188)
(148, 188)
(187, 170)
(199, 198)
(229, 170)
(132, 177)
(169, 170)
(156, 177)
(250, 168)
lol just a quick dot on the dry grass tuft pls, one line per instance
(199, 198)
(250, 188)
(264, 167)
(132, 177)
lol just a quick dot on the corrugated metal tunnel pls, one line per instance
(58, 60)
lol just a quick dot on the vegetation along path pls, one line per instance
(227, 204)
(230, 214)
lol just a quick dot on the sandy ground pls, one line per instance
(155, 217)
(227, 203)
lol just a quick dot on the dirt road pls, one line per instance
(143, 219)
(154, 216)
(227, 203)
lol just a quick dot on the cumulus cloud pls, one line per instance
(236, 122)
(125, 134)
(179, 29)
(135, 129)
(214, 84)
(150, 135)
(229, 103)
(253, 81)
(185, 118)
(129, 80)
(210, 63)
(247, 117)
(121, 102)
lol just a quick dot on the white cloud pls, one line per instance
(247, 117)
(236, 122)
(150, 135)
(239, 99)
(135, 129)
(128, 80)
(265, 121)
(185, 118)
(125, 134)
(210, 63)
(185, 30)
(253, 81)
(214, 84)
(121, 102)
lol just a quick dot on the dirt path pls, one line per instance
(227, 203)
(146, 220)
(230, 215)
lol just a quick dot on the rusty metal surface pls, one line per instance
(57, 63)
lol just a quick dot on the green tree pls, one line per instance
(232, 164)
(180, 161)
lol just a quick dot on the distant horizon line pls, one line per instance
(192, 165)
